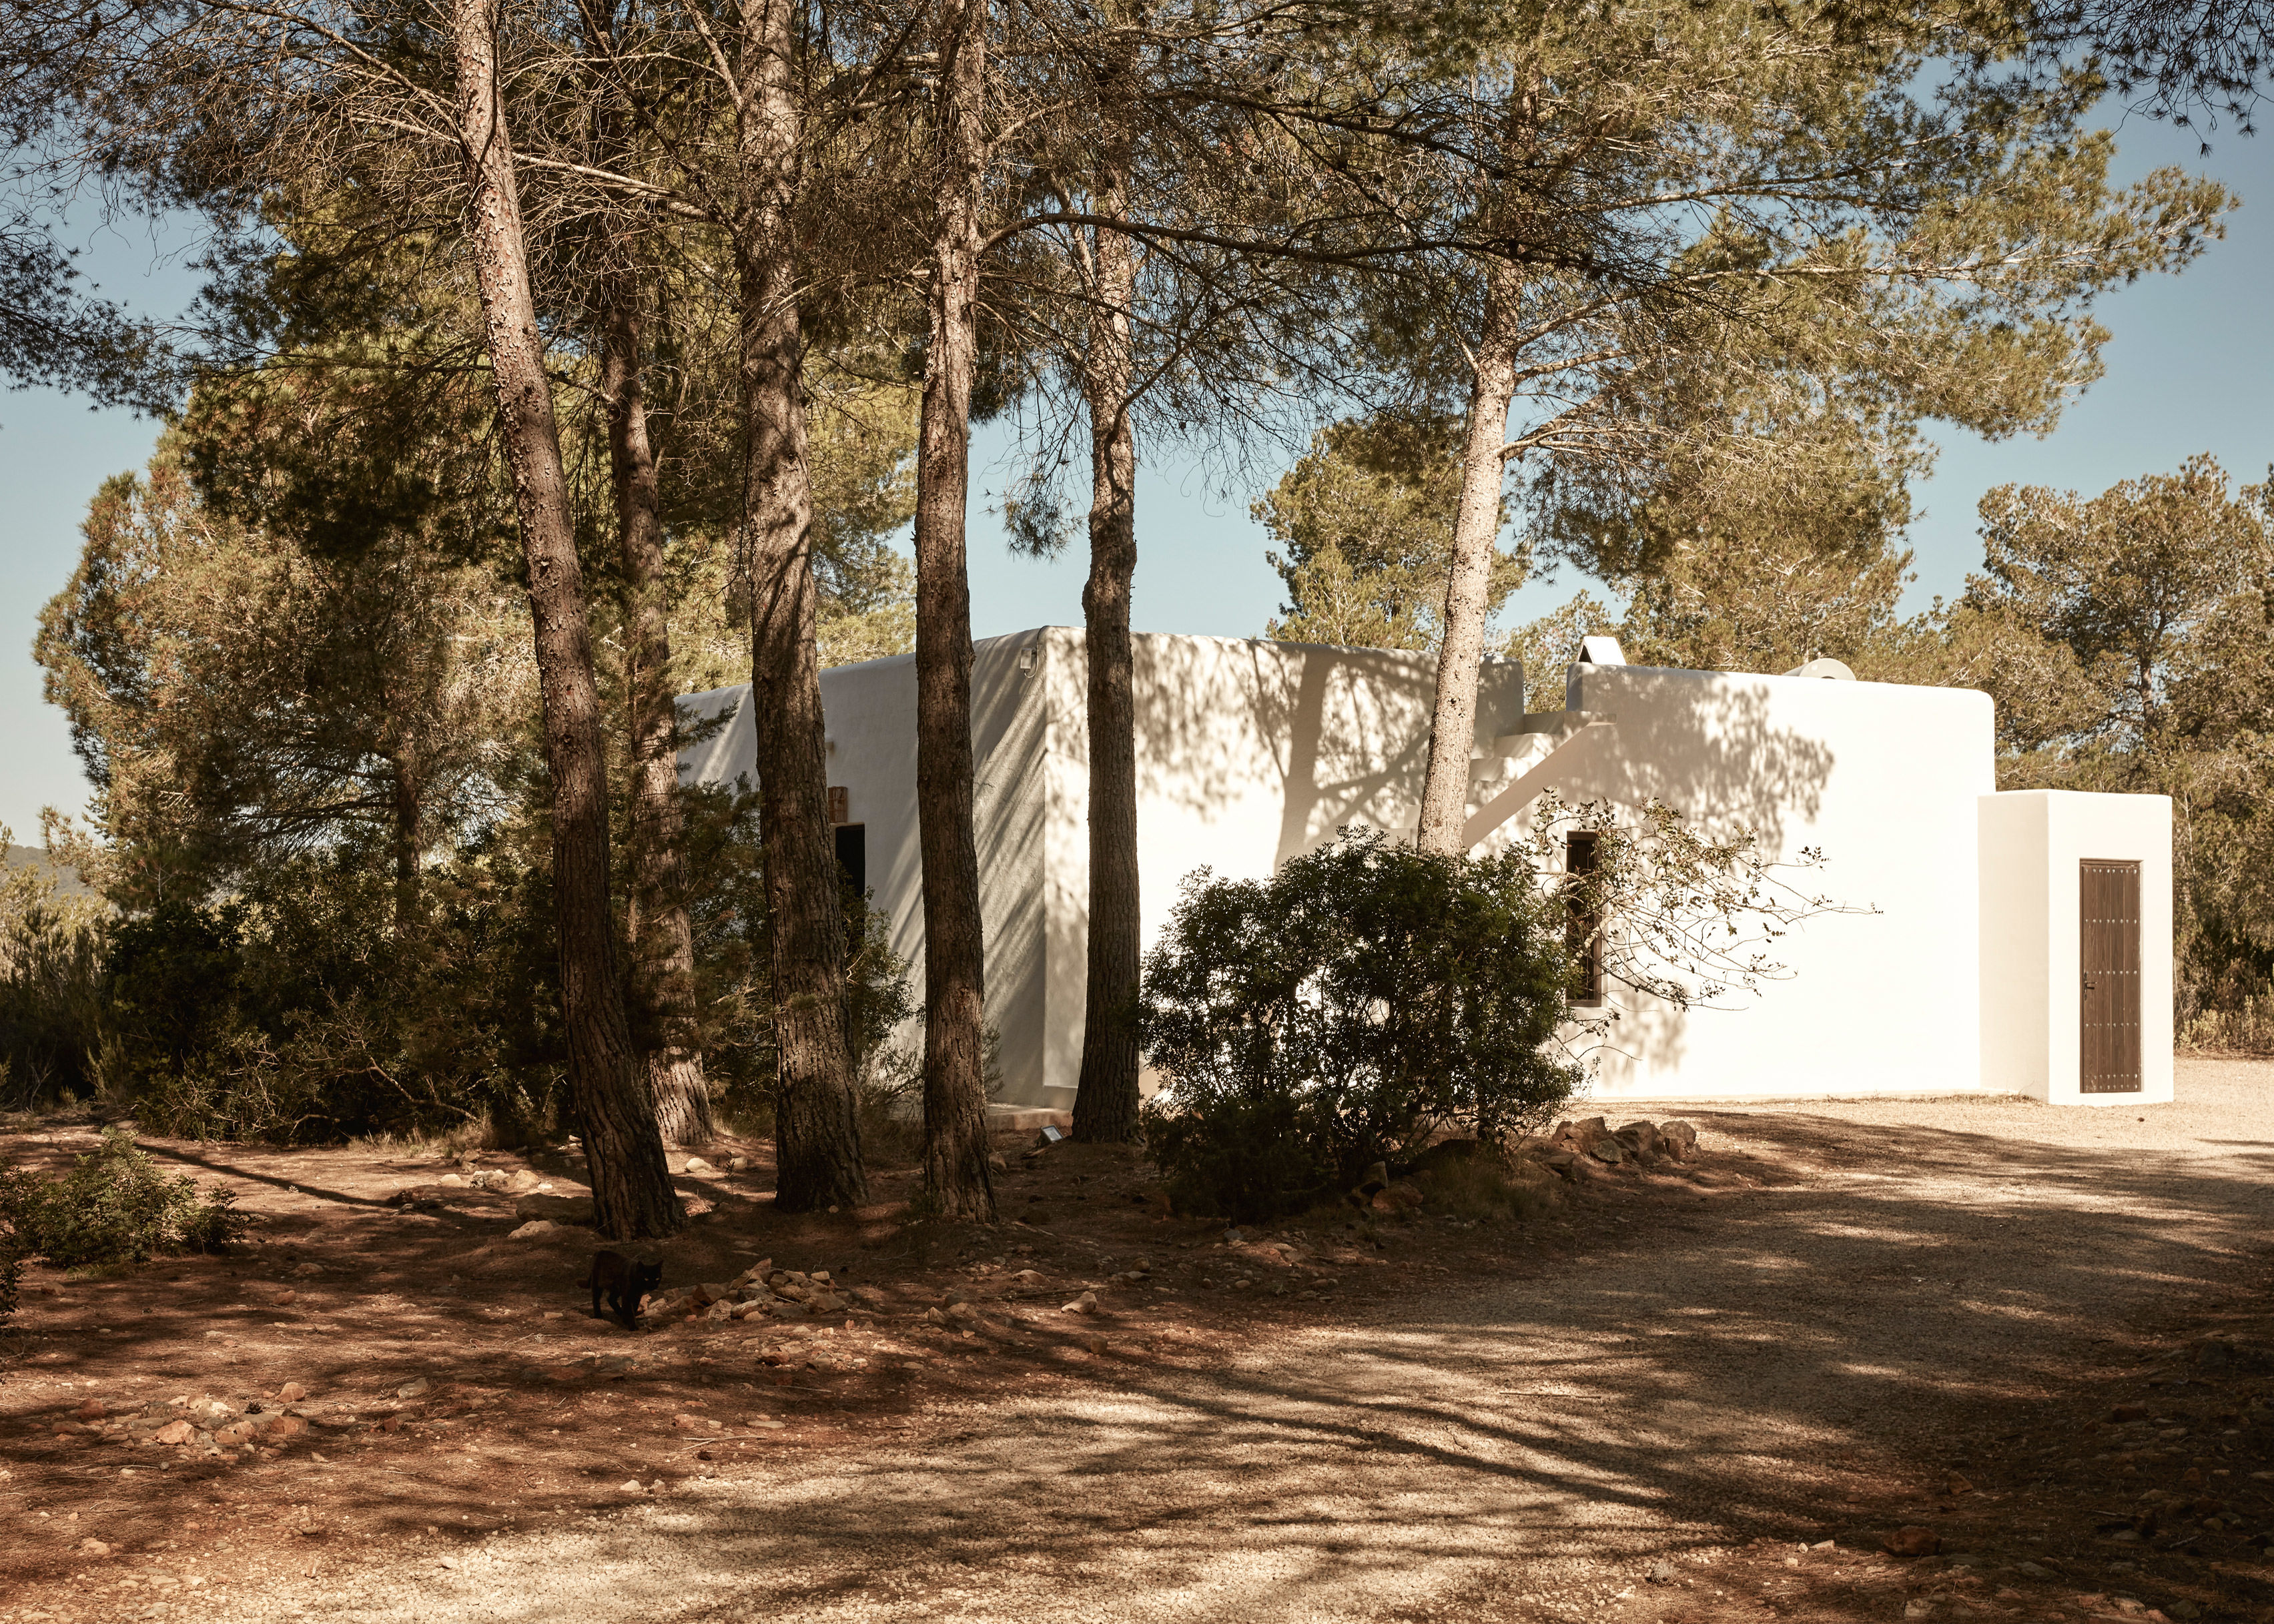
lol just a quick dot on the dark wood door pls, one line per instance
(2110, 943)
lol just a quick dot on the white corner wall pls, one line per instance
(1883, 780)
(2033, 843)
(869, 712)
(1248, 752)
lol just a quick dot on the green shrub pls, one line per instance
(11, 1270)
(1362, 1000)
(115, 1206)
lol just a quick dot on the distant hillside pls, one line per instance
(67, 880)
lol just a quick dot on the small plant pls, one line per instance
(115, 1207)
(11, 1271)
(1344, 1011)
(1486, 1185)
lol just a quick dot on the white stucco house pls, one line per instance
(2015, 942)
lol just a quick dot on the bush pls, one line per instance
(52, 958)
(1345, 1011)
(116, 1206)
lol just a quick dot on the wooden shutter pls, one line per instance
(2108, 940)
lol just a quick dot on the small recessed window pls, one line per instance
(1583, 924)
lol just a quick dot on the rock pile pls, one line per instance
(760, 1291)
(204, 1427)
(1576, 1150)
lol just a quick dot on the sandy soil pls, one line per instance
(1969, 1316)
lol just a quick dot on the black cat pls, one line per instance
(624, 1282)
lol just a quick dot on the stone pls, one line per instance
(290, 1393)
(1095, 1344)
(1662, 1571)
(2128, 1412)
(694, 1423)
(1957, 1486)
(1678, 1140)
(995, 1161)
(723, 1309)
(520, 1182)
(1608, 1151)
(738, 1165)
(1922, 1608)
(697, 1165)
(1563, 1163)
(415, 1387)
(1913, 1541)
(2182, 1609)
(1641, 1138)
(2035, 1570)
(576, 1209)
(94, 1546)
(174, 1433)
(630, 1487)
(1581, 1135)
(91, 1410)
(533, 1229)
(1086, 1304)
(1397, 1199)
(451, 1181)
(278, 1428)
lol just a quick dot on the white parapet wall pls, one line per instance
(1248, 752)
(1883, 780)
(2035, 845)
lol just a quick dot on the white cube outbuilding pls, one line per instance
(1957, 963)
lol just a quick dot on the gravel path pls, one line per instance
(1742, 1366)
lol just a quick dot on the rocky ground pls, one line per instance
(1696, 1389)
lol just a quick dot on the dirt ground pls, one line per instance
(1701, 1393)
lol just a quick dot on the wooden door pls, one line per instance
(2108, 943)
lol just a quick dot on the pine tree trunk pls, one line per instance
(1476, 537)
(956, 1178)
(402, 770)
(816, 1132)
(631, 1189)
(662, 940)
(1106, 1096)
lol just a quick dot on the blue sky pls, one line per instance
(2190, 368)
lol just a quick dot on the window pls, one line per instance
(1583, 925)
(853, 855)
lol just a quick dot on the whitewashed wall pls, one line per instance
(1248, 752)
(1884, 780)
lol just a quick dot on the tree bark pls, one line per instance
(662, 940)
(405, 828)
(816, 1131)
(1476, 536)
(631, 1189)
(956, 1182)
(1106, 1096)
